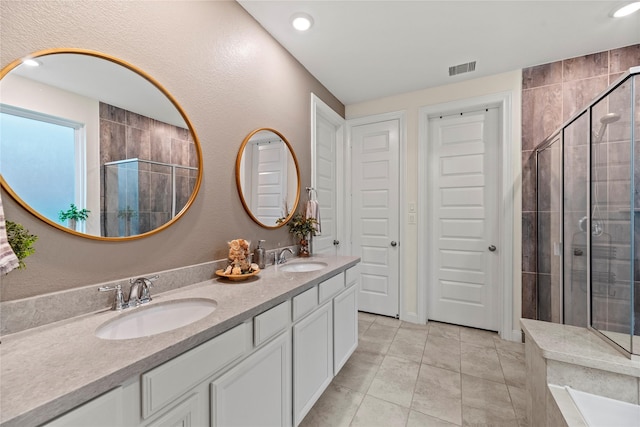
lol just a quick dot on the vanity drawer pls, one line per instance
(352, 275)
(330, 287)
(305, 303)
(169, 381)
(271, 322)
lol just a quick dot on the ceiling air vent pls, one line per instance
(462, 68)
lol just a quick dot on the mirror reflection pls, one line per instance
(84, 132)
(268, 177)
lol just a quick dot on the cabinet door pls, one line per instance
(104, 410)
(312, 359)
(257, 392)
(183, 415)
(345, 327)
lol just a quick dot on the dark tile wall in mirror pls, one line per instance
(138, 196)
(551, 94)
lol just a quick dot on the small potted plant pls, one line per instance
(301, 227)
(73, 215)
(21, 241)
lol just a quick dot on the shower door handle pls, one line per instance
(492, 248)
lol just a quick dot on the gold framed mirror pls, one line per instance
(82, 129)
(268, 177)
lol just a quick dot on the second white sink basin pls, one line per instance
(303, 267)
(155, 319)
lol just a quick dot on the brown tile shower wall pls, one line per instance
(126, 135)
(551, 94)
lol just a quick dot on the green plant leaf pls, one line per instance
(21, 241)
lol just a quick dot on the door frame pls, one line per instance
(505, 197)
(402, 191)
(320, 108)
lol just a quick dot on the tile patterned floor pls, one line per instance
(438, 374)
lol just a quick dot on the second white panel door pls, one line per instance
(463, 183)
(375, 213)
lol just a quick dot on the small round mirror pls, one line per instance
(268, 177)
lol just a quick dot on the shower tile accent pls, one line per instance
(541, 114)
(529, 247)
(583, 67)
(529, 296)
(542, 75)
(578, 93)
(551, 93)
(529, 180)
(127, 135)
(624, 58)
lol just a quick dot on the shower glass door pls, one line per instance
(612, 226)
(575, 220)
(549, 223)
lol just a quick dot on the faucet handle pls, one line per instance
(146, 292)
(118, 302)
(150, 279)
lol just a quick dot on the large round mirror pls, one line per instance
(268, 177)
(94, 146)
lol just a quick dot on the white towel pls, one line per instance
(8, 260)
(313, 211)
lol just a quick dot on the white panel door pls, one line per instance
(269, 181)
(325, 185)
(463, 288)
(375, 214)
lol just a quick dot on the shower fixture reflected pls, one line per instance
(605, 121)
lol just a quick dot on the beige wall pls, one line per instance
(228, 75)
(410, 104)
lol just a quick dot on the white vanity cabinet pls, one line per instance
(104, 410)
(169, 382)
(186, 414)
(267, 371)
(256, 392)
(312, 359)
(345, 327)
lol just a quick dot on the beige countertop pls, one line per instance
(579, 346)
(51, 369)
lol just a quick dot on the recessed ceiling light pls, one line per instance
(301, 21)
(31, 62)
(626, 10)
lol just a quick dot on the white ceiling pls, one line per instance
(103, 80)
(363, 50)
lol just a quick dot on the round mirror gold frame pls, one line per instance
(239, 178)
(151, 80)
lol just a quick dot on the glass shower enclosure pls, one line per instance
(588, 218)
(142, 195)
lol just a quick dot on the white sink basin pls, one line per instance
(303, 267)
(155, 319)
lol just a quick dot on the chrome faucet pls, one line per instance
(281, 259)
(138, 294)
